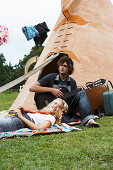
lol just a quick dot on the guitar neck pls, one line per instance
(73, 93)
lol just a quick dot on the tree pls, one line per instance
(2, 60)
(9, 73)
(21, 65)
(3, 77)
(20, 68)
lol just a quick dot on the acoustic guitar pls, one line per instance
(43, 99)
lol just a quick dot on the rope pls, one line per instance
(25, 76)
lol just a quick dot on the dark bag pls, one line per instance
(108, 100)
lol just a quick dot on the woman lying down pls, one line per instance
(35, 121)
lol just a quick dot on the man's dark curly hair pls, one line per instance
(69, 62)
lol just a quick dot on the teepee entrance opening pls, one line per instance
(51, 67)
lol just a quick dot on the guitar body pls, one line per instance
(43, 99)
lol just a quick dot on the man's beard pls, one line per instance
(64, 74)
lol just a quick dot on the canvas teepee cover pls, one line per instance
(84, 30)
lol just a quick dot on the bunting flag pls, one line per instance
(3, 34)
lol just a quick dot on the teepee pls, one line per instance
(84, 31)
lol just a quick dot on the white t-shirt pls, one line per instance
(40, 118)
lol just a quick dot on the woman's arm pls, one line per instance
(32, 125)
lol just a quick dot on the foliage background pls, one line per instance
(9, 73)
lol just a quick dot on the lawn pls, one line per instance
(89, 149)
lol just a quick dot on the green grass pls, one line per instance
(89, 149)
(6, 99)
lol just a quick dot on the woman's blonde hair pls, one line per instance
(58, 115)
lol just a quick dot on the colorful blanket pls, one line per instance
(28, 132)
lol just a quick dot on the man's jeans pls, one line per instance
(79, 103)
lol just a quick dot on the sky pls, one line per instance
(16, 14)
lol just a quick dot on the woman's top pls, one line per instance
(39, 118)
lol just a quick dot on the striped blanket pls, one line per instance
(28, 132)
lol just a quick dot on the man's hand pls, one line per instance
(85, 87)
(57, 92)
